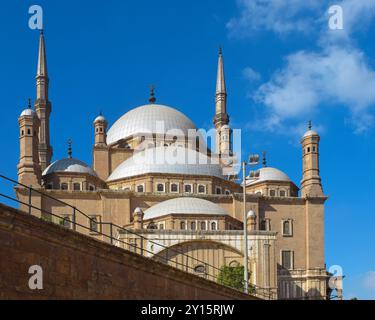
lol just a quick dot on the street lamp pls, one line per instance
(253, 161)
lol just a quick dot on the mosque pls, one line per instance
(188, 211)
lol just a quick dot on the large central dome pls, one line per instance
(144, 119)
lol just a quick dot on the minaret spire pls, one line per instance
(221, 120)
(43, 105)
(42, 58)
(221, 91)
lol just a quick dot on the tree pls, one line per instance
(231, 277)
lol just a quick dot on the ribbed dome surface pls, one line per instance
(164, 160)
(69, 165)
(184, 206)
(145, 119)
(269, 174)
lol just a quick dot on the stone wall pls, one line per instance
(76, 266)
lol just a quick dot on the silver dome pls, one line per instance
(144, 119)
(310, 133)
(156, 160)
(28, 112)
(269, 174)
(186, 206)
(69, 165)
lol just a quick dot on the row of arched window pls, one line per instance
(286, 226)
(199, 225)
(75, 187)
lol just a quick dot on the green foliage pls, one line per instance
(231, 277)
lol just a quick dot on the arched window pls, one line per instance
(140, 188)
(287, 228)
(174, 187)
(273, 193)
(282, 193)
(49, 186)
(203, 225)
(234, 264)
(201, 189)
(76, 186)
(182, 225)
(152, 226)
(64, 186)
(91, 187)
(218, 190)
(193, 226)
(160, 187)
(188, 188)
(200, 269)
(213, 226)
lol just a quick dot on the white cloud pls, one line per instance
(336, 76)
(369, 280)
(307, 16)
(251, 75)
(280, 16)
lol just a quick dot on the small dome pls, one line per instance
(100, 119)
(269, 174)
(310, 133)
(69, 165)
(144, 119)
(186, 206)
(251, 214)
(138, 211)
(156, 160)
(27, 112)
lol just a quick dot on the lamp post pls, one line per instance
(253, 161)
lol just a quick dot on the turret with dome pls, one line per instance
(153, 173)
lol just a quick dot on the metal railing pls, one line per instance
(114, 229)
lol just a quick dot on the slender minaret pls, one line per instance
(311, 182)
(101, 150)
(43, 106)
(29, 172)
(221, 120)
(100, 127)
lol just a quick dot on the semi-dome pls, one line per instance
(270, 174)
(194, 206)
(69, 165)
(144, 119)
(167, 160)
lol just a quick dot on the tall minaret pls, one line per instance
(311, 182)
(43, 106)
(221, 120)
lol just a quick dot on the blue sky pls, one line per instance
(283, 67)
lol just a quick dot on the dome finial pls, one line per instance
(264, 159)
(152, 99)
(29, 103)
(310, 125)
(220, 50)
(70, 152)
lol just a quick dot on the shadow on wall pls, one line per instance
(291, 287)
